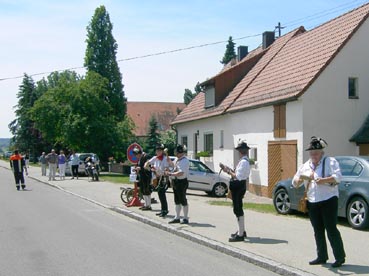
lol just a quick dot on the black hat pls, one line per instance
(317, 143)
(181, 149)
(137, 150)
(160, 147)
(242, 145)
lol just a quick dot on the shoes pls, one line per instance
(185, 221)
(18, 188)
(173, 221)
(163, 214)
(146, 208)
(23, 187)
(72, 177)
(235, 234)
(338, 263)
(236, 238)
(317, 262)
(159, 214)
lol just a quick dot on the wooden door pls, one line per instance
(282, 162)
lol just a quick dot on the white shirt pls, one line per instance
(243, 169)
(320, 192)
(159, 165)
(182, 165)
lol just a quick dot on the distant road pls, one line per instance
(44, 231)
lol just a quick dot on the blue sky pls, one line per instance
(42, 36)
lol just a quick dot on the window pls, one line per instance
(353, 91)
(253, 154)
(184, 141)
(280, 121)
(209, 97)
(350, 167)
(208, 142)
(198, 167)
(222, 139)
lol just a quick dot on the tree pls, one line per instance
(169, 139)
(229, 53)
(188, 96)
(26, 137)
(101, 58)
(153, 136)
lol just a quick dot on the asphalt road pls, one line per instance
(44, 231)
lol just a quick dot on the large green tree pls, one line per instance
(26, 137)
(188, 96)
(101, 58)
(153, 136)
(230, 52)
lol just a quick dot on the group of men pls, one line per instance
(158, 170)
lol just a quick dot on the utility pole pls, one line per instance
(279, 28)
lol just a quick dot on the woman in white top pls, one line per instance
(321, 176)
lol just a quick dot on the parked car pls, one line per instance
(353, 192)
(82, 157)
(202, 178)
(7, 154)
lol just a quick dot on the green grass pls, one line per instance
(259, 207)
(115, 178)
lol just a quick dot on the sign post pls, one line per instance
(133, 159)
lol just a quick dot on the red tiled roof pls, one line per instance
(286, 71)
(141, 113)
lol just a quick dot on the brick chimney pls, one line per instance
(242, 51)
(268, 39)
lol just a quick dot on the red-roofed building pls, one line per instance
(303, 84)
(141, 113)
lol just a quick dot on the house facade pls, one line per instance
(303, 84)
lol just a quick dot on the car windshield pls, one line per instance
(83, 157)
(198, 166)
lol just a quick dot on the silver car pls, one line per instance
(353, 192)
(202, 178)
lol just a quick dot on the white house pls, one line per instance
(302, 84)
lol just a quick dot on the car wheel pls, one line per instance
(357, 213)
(220, 189)
(282, 202)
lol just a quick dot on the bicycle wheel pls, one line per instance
(123, 196)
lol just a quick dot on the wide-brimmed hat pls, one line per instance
(317, 143)
(242, 145)
(160, 147)
(181, 149)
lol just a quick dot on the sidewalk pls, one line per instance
(285, 242)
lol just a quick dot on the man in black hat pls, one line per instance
(321, 175)
(159, 164)
(237, 186)
(181, 167)
(143, 177)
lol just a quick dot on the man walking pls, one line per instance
(52, 159)
(18, 164)
(43, 163)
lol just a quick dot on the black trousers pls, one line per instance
(323, 217)
(19, 178)
(238, 192)
(144, 184)
(74, 170)
(162, 195)
(180, 187)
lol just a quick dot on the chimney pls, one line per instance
(268, 39)
(242, 51)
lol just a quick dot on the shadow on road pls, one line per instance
(351, 270)
(265, 240)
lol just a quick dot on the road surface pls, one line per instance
(44, 231)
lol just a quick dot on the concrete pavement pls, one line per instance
(283, 244)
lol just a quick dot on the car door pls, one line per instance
(351, 170)
(198, 177)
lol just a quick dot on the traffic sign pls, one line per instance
(131, 157)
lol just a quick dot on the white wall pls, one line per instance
(328, 112)
(254, 126)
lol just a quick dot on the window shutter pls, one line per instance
(276, 121)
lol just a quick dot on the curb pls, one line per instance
(244, 255)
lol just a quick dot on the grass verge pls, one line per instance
(259, 207)
(115, 178)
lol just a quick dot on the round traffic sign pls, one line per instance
(131, 157)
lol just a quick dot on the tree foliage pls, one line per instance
(153, 136)
(101, 58)
(169, 139)
(230, 52)
(188, 96)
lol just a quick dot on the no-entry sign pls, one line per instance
(131, 157)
